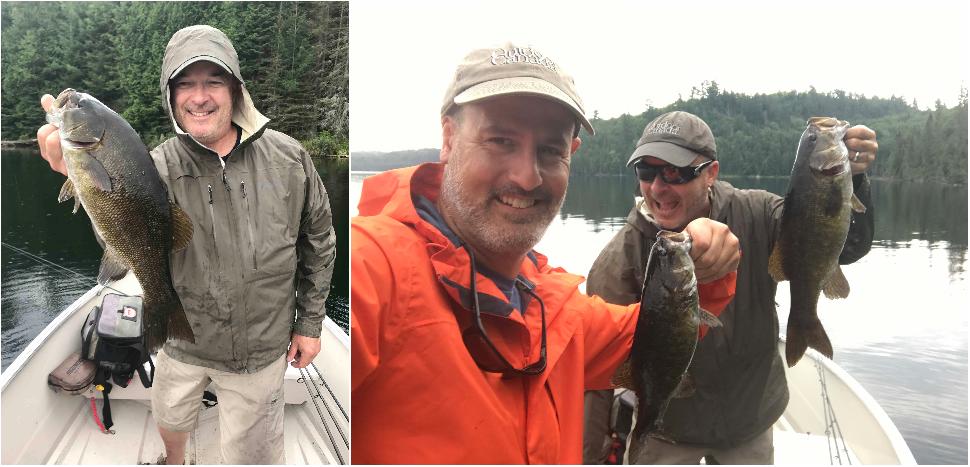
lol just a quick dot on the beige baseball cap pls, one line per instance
(512, 69)
(676, 137)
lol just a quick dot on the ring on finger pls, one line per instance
(856, 158)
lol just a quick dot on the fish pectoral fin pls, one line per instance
(686, 388)
(95, 170)
(836, 286)
(857, 205)
(181, 228)
(111, 267)
(623, 376)
(775, 268)
(67, 192)
(709, 319)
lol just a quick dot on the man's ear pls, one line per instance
(712, 172)
(575, 146)
(448, 129)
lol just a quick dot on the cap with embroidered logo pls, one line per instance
(676, 137)
(511, 69)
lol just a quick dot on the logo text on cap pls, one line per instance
(665, 127)
(521, 55)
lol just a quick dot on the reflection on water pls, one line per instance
(902, 333)
(34, 292)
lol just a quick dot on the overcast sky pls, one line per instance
(626, 55)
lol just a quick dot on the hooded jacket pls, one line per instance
(418, 395)
(738, 372)
(261, 257)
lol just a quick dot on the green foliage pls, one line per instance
(325, 144)
(758, 135)
(293, 57)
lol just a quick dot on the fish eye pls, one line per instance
(812, 137)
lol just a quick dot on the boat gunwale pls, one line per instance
(20, 362)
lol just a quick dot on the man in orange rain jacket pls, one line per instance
(467, 346)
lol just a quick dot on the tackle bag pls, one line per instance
(113, 338)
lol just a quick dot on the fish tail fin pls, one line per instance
(155, 337)
(800, 337)
(169, 321)
(178, 324)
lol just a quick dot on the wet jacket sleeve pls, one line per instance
(369, 296)
(607, 338)
(861, 230)
(316, 251)
(716, 296)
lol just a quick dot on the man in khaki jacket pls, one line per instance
(254, 279)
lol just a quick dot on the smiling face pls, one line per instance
(674, 206)
(202, 103)
(507, 169)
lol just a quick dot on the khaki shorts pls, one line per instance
(758, 451)
(250, 406)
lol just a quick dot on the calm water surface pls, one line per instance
(50, 257)
(902, 333)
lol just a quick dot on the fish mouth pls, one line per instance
(678, 237)
(833, 171)
(827, 122)
(66, 100)
(81, 145)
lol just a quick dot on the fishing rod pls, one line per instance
(332, 395)
(833, 432)
(307, 380)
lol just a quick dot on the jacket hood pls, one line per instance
(202, 42)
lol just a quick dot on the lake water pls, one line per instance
(50, 257)
(902, 333)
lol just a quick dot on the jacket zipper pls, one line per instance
(249, 224)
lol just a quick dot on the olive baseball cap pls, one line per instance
(676, 137)
(512, 69)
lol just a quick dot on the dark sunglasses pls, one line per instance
(670, 174)
(483, 350)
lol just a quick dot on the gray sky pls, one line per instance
(624, 55)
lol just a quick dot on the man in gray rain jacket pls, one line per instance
(739, 376)
(254, 279)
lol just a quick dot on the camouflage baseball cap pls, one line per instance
(676, 137)
(512, 69)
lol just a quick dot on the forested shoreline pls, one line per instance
(293, 56)
(758, 135)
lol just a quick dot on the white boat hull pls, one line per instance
(849, 428)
